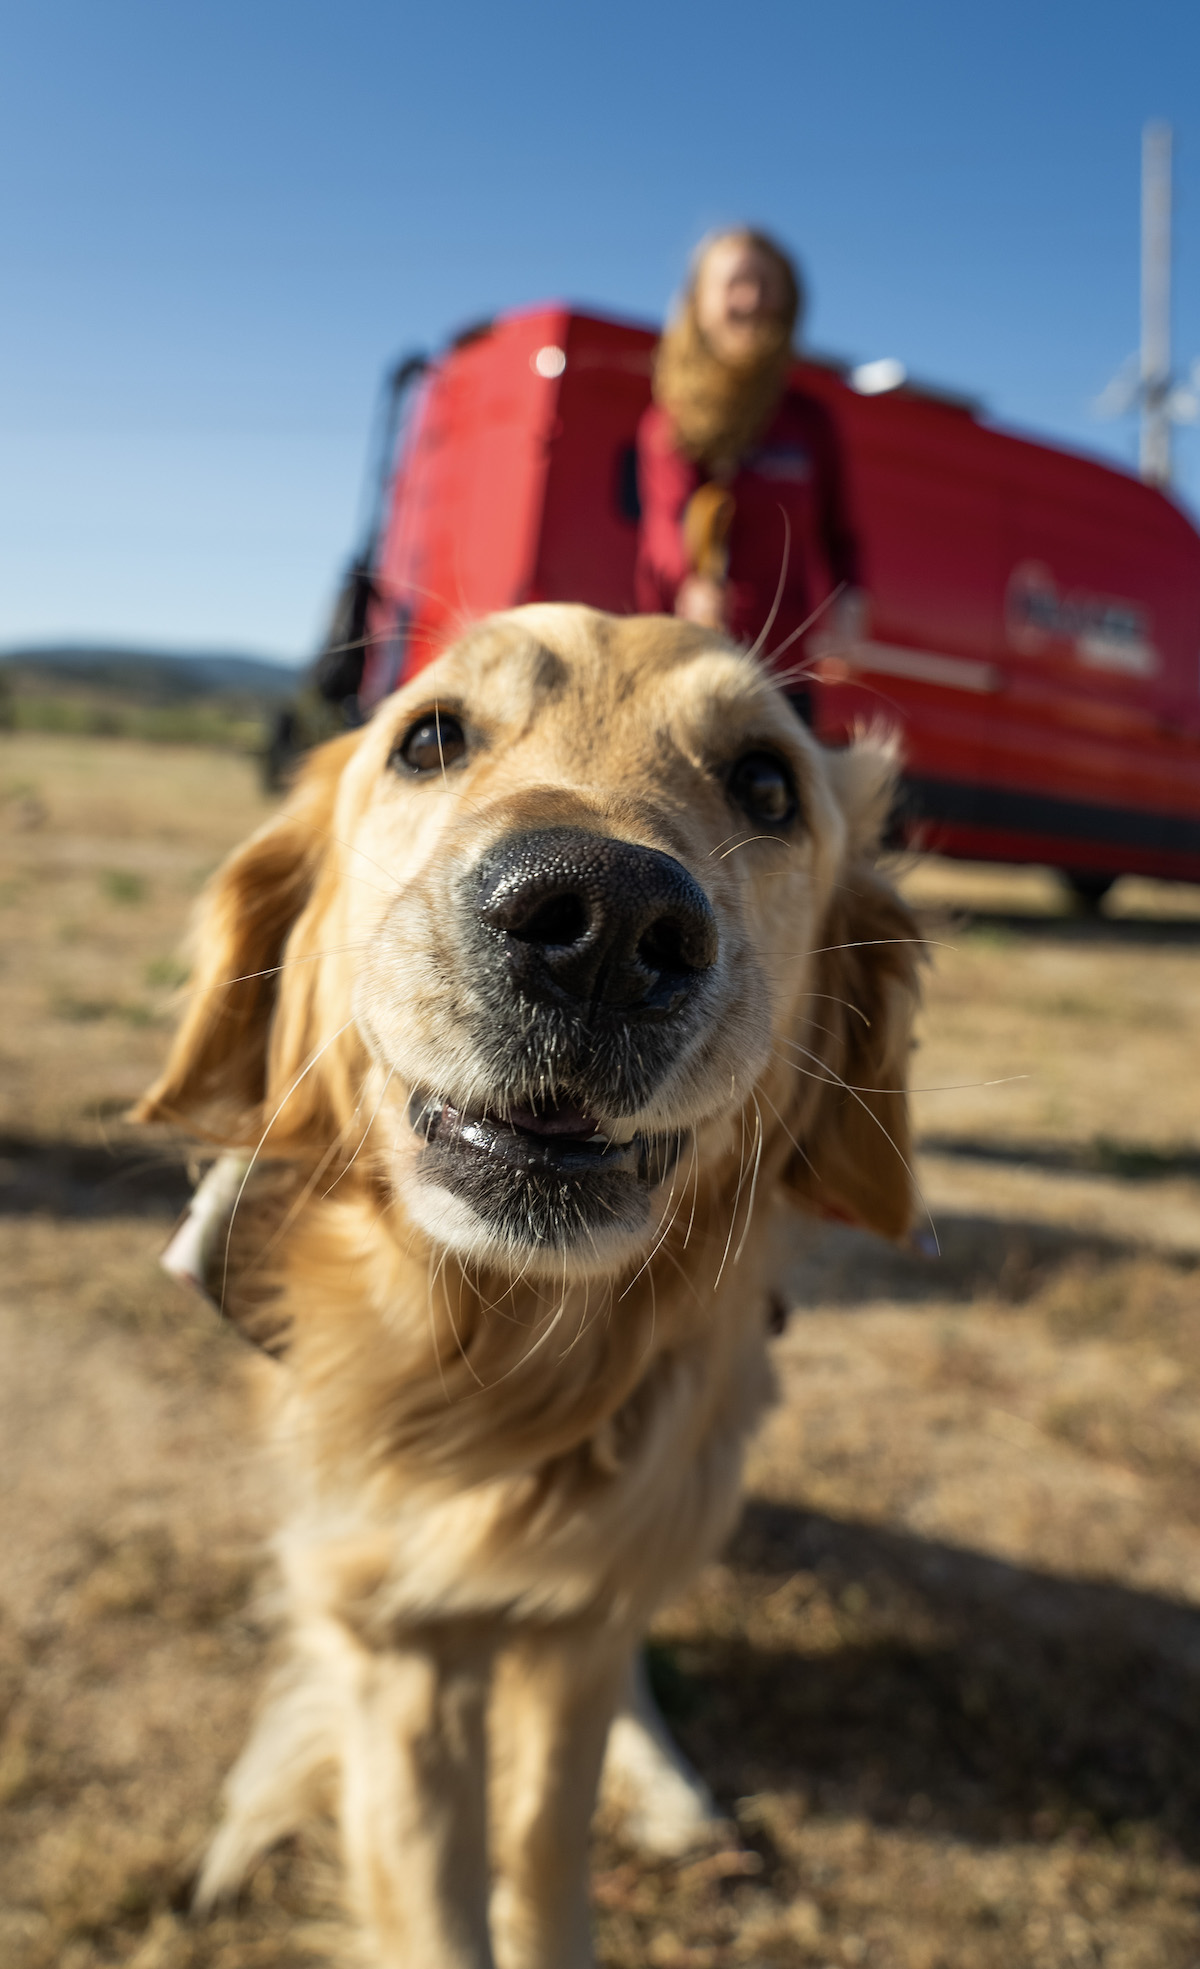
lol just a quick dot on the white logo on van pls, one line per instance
(1107, 633)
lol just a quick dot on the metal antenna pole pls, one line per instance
(1155, 452)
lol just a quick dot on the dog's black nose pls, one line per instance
(593, 920)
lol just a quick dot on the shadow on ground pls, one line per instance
(917, 1683)
(76, 1179)
(1009, 1260)
(1134, 1162)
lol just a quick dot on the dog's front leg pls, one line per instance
(413, 1806)
(554, 1697)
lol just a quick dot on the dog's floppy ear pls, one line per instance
(216, 1075)
(854, 1145)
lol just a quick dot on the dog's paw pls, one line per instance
(662, 1805)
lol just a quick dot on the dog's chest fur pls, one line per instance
(495, 1450)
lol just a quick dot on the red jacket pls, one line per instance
(794, 467)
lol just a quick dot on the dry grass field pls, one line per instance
(946, 1680)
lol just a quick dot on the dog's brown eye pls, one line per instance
(437, 740)
(763, 787)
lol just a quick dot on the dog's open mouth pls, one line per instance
(558, 1140)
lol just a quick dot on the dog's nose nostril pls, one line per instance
(665, 946)
(589, 920)
(560, 921)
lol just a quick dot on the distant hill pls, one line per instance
(104, 692)
(149, 676)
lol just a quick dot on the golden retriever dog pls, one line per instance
(527, 1009)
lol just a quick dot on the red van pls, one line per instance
(1033, 618)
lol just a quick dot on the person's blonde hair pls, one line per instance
(717, 409)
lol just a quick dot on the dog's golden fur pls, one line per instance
(498, 1457)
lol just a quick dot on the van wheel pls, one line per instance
(1088, 887)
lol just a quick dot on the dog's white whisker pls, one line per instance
(801, 1152)
(769, 624)
(301, 1076)
(749, 840)
(946, 1087)
(856, 1094)
(878, 943)
(270, 970)
(365, 1133)
(805, 626)
(695, 1182)
(737, 1197)
(737, 1256)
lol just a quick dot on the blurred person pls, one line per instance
(726, 450)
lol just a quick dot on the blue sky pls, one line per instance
(218, 223)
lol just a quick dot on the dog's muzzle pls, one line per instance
(590, 957)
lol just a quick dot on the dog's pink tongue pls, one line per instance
(558, 1120)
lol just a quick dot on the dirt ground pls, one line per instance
(946, 1680)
